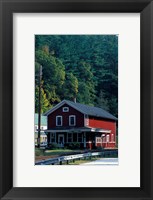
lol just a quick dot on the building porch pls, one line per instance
(86, 137)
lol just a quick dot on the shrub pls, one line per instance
(53, 146)
(99, 148)
(73, 146)
(38, 152)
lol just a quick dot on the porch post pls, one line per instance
(55, 137)
(47, 137)
(67, 136)
(72, 137)
(50, 138)
(84, 136)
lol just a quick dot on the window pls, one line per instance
(75, 137)
(52, 137)
(98, 140)
(72, 120)
(65, 109)
(79, 137)
(69, 137)
(58, 120)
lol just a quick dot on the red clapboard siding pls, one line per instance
(65, 115)
(101, 123)
(106, 145)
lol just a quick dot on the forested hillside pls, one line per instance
(84, 67)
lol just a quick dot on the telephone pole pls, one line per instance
(39, 103)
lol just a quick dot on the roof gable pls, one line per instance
(85, 109)
(92, 111)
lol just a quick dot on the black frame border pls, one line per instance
(7, 8)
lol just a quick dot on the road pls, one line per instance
(103, 161)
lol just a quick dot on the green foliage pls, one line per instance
(84, 67)
(99, 148)
(73, 146)
(102, 102)
(53, 75)
(39, 152)
(85, 96)
(45, 105)
(53, 146)
(70, 87)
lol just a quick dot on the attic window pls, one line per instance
(65, 109)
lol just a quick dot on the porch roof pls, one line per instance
(76, 130)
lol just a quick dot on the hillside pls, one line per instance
(84, 67)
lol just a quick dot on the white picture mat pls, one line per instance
(127, 173)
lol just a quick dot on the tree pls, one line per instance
(102, 102)
(84, 95)
(53, 74)
(70, 87)
(112, 106)
(86, 91)
(87, 63)
(45, 105)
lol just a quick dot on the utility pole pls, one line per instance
(39, 103)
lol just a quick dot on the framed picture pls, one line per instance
(79, 111)
(82, 34)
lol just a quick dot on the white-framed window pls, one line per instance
(59, 120)
(98, 140)
(72, 120)
(65, 109)
(107, 138)
(36, 128)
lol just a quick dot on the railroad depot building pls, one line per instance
(70, 122)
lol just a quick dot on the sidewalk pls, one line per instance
(103, 161)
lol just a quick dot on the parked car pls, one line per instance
(43, 144)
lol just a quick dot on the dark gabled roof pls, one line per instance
(92, 111)
(85, 109)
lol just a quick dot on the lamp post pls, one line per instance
(39, 103)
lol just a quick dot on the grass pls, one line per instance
(110, 156)
(57, 151)
(41, 154)
(82, 161)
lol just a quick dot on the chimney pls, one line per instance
(74, 99)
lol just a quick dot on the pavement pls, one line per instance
(103, 161)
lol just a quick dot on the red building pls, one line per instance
(70, 122)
